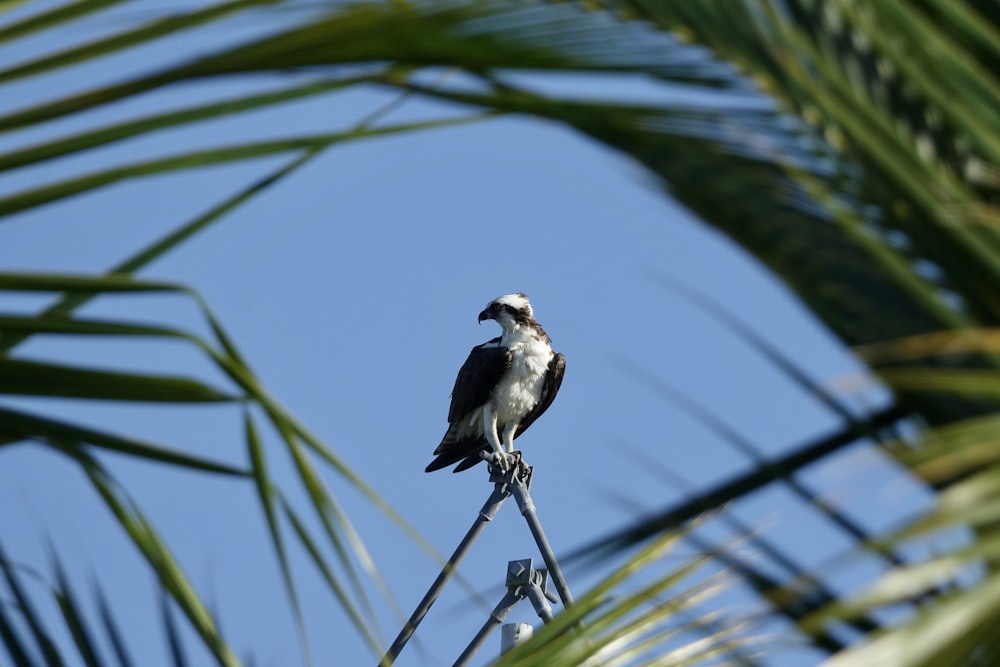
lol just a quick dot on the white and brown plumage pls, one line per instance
(501, 389)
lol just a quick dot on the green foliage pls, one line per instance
(876, 159)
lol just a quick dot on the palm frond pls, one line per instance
(53, 17)
(112, 630)
(74, 616)
(798, 458)
(876, 127)
(74, 440)
(629, 619)
(866, 181)
(41, 639)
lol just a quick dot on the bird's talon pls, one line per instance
(502, 461)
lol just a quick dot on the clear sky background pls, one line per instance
(353, 288)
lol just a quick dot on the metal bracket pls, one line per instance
(523, 581)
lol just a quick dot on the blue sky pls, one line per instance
(353, 288)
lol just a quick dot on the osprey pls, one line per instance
(501, 389)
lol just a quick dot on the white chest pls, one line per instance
(521, 389)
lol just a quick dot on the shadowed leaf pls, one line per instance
(73, 615)
(34, 378)
(36, 625)
(266, 494)
(112, 629)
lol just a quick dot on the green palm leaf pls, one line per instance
(871, 161)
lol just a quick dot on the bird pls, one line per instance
(501, 389)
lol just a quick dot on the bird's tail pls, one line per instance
(463, 452)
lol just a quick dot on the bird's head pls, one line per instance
(509, 311)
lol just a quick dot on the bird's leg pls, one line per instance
(498, 457)
(490, 428)
(508, 437)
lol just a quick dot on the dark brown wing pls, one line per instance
(553, 380)
(479, 374)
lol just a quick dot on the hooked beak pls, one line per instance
(485, 315)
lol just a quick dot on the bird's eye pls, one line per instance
(495, 307)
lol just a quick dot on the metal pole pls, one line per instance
(497, 617)
(501, 491)
(540, 603)
(519, 489)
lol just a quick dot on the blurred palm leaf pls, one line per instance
(632, 621)
(475, 37)
(868, 183)
(79, 622)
